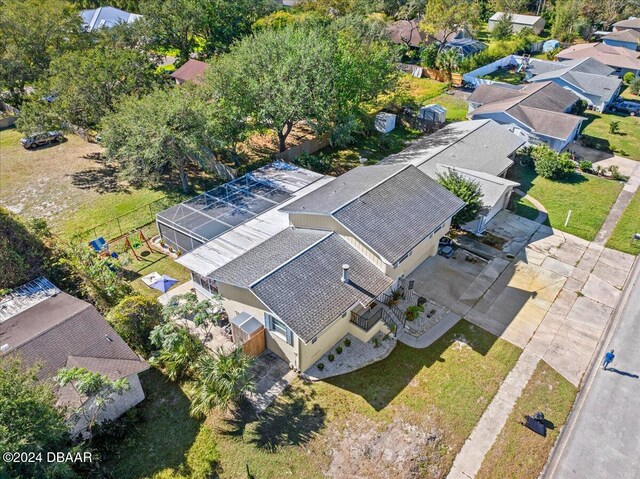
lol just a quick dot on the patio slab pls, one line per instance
(614, 276)
(601, 291)
(272, 376)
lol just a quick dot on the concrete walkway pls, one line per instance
(469, 459)
(623, 200)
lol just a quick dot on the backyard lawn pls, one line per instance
(588, 197)
(505, 75)
(627, 226)
(406, 416)
(519, 453)
(71, 186)
(624, 143)
(417, 92)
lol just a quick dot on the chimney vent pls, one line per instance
(345, 273)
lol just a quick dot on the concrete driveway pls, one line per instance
(556, 299)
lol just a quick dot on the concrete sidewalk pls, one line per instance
(602, 437)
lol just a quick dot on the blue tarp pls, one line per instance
(164, 284)
(550, 45)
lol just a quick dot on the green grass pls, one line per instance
(519, 453)
(588, 197)
(526, 209)
(441, 390)
(627, 226)
(624, 143)
(506, 76)
(627, 94)
(167, 441)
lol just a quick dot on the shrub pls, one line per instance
(503, 28)
(468, 191)
(634, 85)
(579, 107)
(376, 342)
(339, 350)
(429, 54)
(550, 164)
(586, 166)
(331, 358)
(628, 77)
(134, 318)
(320, 162)
(320, 366)
(347, 342)
(614, 127)
(412, 312)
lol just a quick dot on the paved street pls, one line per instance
(605, 439)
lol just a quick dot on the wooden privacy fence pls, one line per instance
(255, 345)
(308, 146)
(431, 73)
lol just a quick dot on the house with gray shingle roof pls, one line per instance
(591, 80)
(45, 326)
(348, 240)
(536, 111)
(623, 38)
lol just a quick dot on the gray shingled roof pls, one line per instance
(307, 293)
(481, 145)
(629, 23)
(397, 215)
(628, 35)
(343, 190)
(587, 75)
(63, 327)
(267, 256)
(541, 106)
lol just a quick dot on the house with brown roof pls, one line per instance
(192, 70)
(47, 327)
(621, 59)
(409, 33)
(632, 23)
(538, 112)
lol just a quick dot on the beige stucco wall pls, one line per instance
(311, 352)
(121, 404)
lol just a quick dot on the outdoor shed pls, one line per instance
(434, 112)
(518, 22)
(385, 122)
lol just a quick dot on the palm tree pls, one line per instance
(179, 349)
(221, 380)
(448, 61)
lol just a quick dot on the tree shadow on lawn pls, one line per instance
(103, 178)
(381, 382)
(163, 436)
(292, 420)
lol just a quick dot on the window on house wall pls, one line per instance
(277, 326)
(397, 263)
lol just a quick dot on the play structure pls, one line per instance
(101, 246)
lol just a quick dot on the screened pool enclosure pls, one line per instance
(192, 223)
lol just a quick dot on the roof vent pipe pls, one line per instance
(4, 348)
(345, 273)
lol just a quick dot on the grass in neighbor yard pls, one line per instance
(627, 226)
(419, 405)
(519, 453)
(588, 197)
(624, 143)
(627, 94)
(505, 75)
(423, 402)
(417, 92)
(166, 440)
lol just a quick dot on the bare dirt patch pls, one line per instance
(366, 449)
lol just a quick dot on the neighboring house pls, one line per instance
(537, 111)
(496, 192)
(621, 59)
(311, 268)
(192, 70)
(479, 148)
(106, 17)
(518, 22)
(593, 81)
(632, 23)
(45, 326)
(623, 38)
(408, 33)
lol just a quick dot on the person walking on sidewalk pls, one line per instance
(608, 358)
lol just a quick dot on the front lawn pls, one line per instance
(624, 143)
(588, 197)
(406, 416)
(519, 453)
(628, 225)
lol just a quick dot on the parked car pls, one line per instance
(41, 139)
(631, 107)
